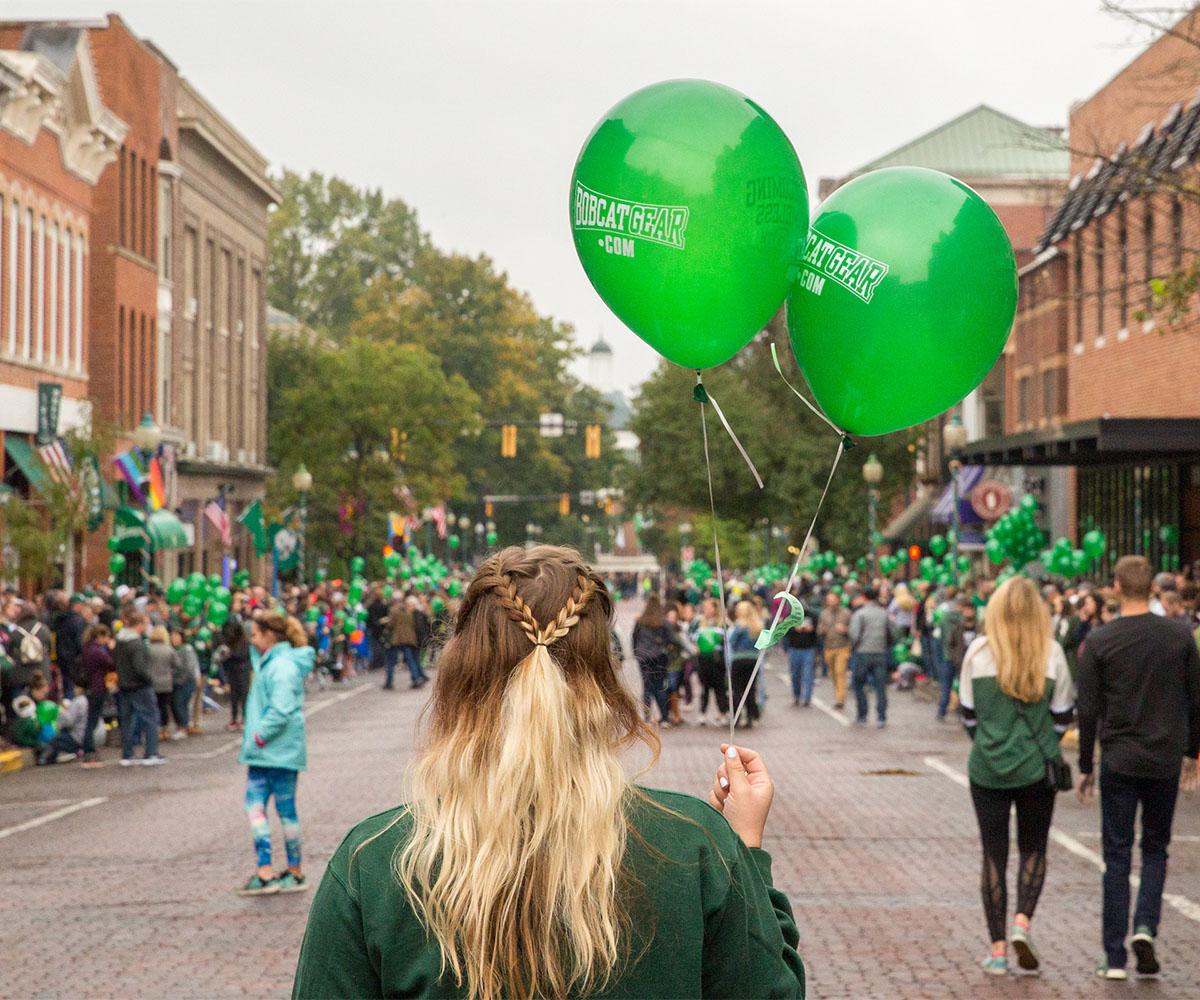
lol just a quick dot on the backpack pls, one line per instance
(651, 645)
(31, 651)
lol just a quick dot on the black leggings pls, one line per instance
(237, 672)
(710, 668)
(1035, 809)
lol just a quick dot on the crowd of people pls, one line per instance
(1020, 664)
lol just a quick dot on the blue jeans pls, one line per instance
(138, 709)
(802, 662)
(389, 665)
(412, 660)
(946, 674)
(261, 784)
(181, 703)
(870, 668)
(654, 687)
(1119, 798)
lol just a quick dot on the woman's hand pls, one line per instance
(742, 792)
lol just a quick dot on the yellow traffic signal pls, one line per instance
(591, 439)
(508, 441)
(610, 506)
(564, 504)
(489, 508)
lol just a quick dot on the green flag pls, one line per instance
(286, 548)
(252, 521)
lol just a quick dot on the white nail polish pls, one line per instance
(724, 782)
(731, 753)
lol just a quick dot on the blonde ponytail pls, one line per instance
(518, 824)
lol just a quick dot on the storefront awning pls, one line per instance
(1104, 441)
(901, 525)
(943, 510)
(160, 531)
(30, 465)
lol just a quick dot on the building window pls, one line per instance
(122, 202)
(80, 250)
(1078, 289)
(1023, 399)
(27, 285)
(52, 324)
(122, 409)
(1176, 233)
(1060, 396)
(165, 212)
(39, 350)
(1122, 270)
(1100, 287)
(1049, 385)
(1148, 243)
(66, 297)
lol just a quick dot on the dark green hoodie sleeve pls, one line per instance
(334, 961)
(750, 946)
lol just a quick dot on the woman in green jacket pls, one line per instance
(1016, 700)
(526, 863)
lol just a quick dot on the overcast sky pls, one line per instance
(474, 112)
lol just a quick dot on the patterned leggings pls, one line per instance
(261, 784)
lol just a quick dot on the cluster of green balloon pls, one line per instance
(900, 652)
(699, 572)
(241, 579)
(422, 572)
(888, 564)
(687, 205)
(1064, 559)
(116, 564)
(820, 562)
(201, 598)
(906, 295)
(769, 573)
(1015, 537)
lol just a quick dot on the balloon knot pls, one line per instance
(699, 393)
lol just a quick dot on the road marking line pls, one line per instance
(35, 802)
(1176, 838)
(833, 713)
(1184, 905)
(308, 713)
(51, 816)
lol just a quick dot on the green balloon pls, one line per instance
(218, 614)
(1029, 505)
(904, 300)
(963, 564)
(192, 605)
(312, 614)
(454, 588)
(937, 545)
(116, 564)
(176, 591)
(203, 634)
(214, 580)
(995, 551)
(687, 205)
(113, 543)
(47, 712)
(357, 565)
(492, 538)
(241, 579)
(221, 595)
(321, 575)
(454, 541)
(1168, 534)
(900, 652)
(1094, 543)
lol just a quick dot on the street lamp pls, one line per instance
(148, 435)
(954, 439)
(302, 482)
(872, 472)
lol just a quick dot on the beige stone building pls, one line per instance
(214, 197)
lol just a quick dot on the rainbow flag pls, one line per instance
(158, 495)
(131, 471)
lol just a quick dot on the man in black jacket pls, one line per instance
(67, 625)
(136, 704)
(1139, 686)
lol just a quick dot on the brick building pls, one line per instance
(1021, 171)
(59, 140)
(172, 238)
(1102, 379)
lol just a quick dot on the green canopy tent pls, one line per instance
(159, 531)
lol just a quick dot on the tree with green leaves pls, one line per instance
(791, 448)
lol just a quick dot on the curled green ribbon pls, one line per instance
(769, 637)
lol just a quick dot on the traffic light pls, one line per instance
(609, 505)
(564, 504)
(508, 441)
(591, 439)
(489, 508)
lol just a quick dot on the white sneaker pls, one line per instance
(152, 761)
(127, 762)
(179, 734)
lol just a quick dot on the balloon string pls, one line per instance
(724, 617)
(799, 394)
(702, 396)
(762, 654)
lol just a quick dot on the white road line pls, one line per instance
(34, 802)
(49, 817)
(833, 713)
(308, 713)
(1184, 905)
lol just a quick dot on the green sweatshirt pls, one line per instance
(705, 918)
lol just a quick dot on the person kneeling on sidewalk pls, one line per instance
(274, 747)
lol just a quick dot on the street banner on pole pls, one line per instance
(49, 404)
(252, 521)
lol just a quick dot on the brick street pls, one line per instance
(121, 879)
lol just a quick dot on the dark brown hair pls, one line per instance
(652, 614)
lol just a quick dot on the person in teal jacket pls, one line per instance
(273, 746)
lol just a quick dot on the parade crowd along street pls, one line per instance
(106, 675)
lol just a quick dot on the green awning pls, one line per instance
(166, 532)
(133, 529)
(30, 465)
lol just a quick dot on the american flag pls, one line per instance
(214, 510)
(58, 462)
(438, 516)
